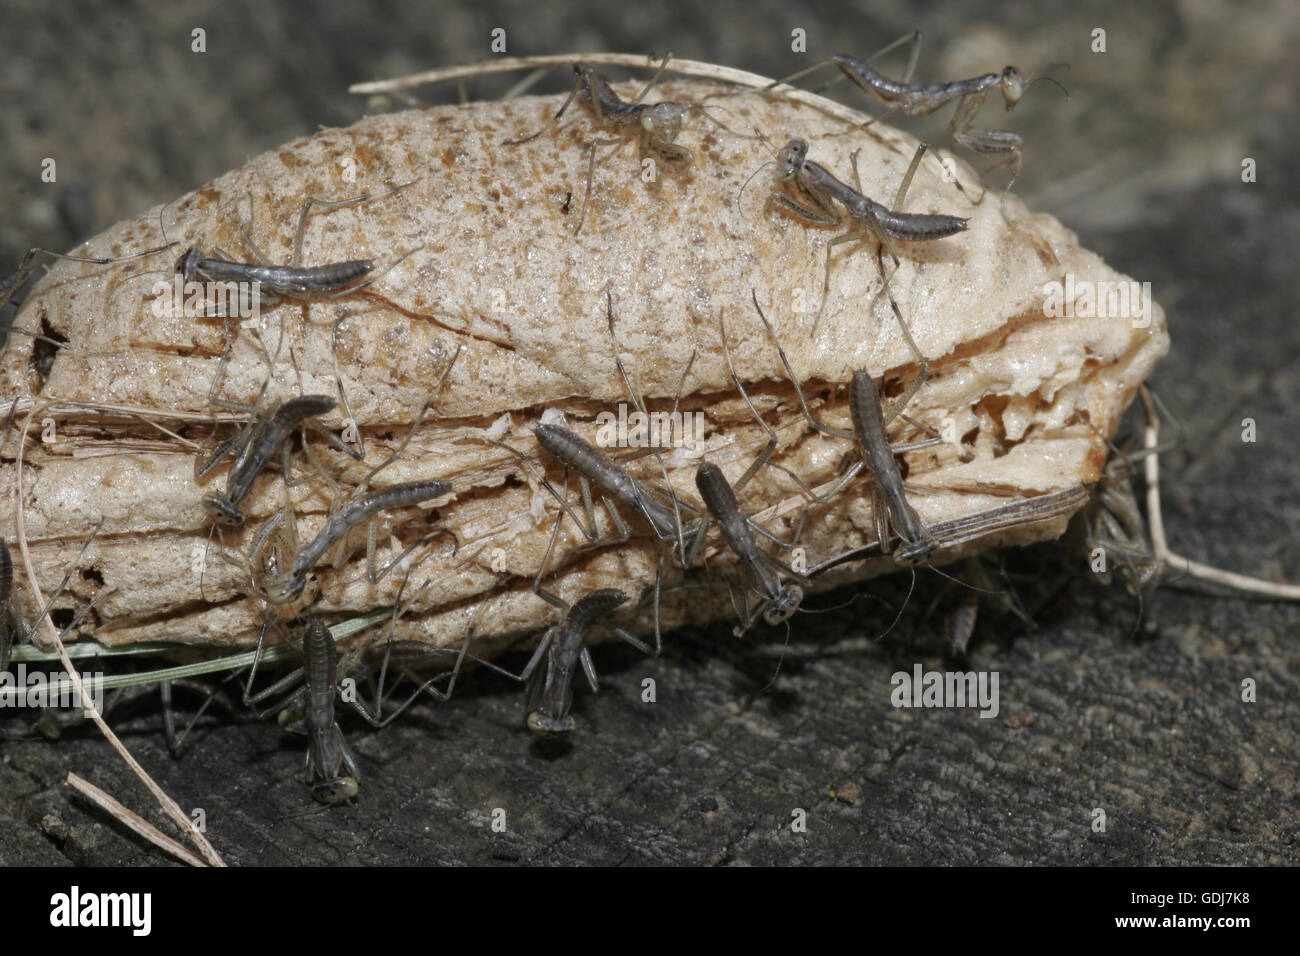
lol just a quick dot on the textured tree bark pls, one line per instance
(496, 279)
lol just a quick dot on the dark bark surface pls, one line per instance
(1147, 724)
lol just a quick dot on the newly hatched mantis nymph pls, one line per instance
(260, 440)
(877, 455)
(613, 481)
(550, 691)
(328, 755)
(921, 99)
(276, 542)
(821, 191)
(615, 485)
(549, 694)
(287, 586)
(294, 280)
(656, 125)
(780, 600)
(327, 750)
(283, 280)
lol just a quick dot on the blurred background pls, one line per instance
(1144, 719)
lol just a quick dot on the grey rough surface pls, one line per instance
(1144, 161)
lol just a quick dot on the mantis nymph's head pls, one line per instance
(550, 727)
(665, 120)
(283, 588)
(1013, 87)
(784, 605)
(791, 159)
(187, 265)
(336, 791)
(221, 509)
(913, 553)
